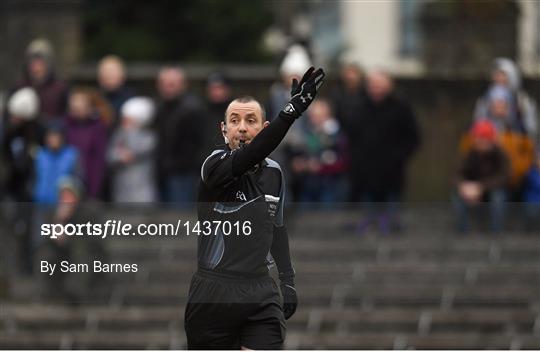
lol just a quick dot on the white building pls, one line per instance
(387, 33)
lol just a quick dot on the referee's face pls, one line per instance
(244, 122)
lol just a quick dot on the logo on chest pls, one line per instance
(241, 196)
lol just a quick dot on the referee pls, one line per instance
(233, 303)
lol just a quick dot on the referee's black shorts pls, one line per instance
(228, 313)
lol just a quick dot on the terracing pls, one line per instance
(426, 288)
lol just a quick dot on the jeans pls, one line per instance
(179, 189)
(496, 200)
(322, 190)
(532, 216)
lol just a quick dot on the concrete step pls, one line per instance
(368, 295)
(61, 318)
(469, 341)
(93, 340)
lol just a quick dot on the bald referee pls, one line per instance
(233, 303)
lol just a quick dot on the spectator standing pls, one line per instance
(180, 128)
(40, 74)
(218, 97)
(131, 154)
(385, 137)
(23, 136)
(323, 159)
(522, 108)
(112, 82)
(86, 131)
(349, 96)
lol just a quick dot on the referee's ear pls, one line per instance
(266, 123)
(224, 132)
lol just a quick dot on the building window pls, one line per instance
(326, 31)
(410, 27)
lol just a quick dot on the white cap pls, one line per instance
(139, 109)
(24, 103)
(296, 62)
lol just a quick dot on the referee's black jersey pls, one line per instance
(248, 207)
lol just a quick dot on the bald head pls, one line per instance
(111, 73)
(380, 85)
(244, 102)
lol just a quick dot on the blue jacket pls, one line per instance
(532, 188)
(50, 167)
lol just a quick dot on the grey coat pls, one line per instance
(134, 181)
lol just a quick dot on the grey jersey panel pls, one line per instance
(279, 217)
(213, 250)
(211, 155)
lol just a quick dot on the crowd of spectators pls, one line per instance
(499, 154)
(354, 145)
(128, 148)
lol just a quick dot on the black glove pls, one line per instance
(290, 299)
(303, 92)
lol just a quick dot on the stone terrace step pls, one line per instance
(57, 318)
(165, 340)
(62, 317)
(367, 295)
(469, 341)
(336, 248)
(92, 340)
(416, 321)
(342, 272)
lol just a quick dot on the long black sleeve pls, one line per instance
(280, 253)
(262, 145)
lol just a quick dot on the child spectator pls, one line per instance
(522, 108)
(70, 209)
(131, 154)
(500, 111)
(54, 161)
(324, 159)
